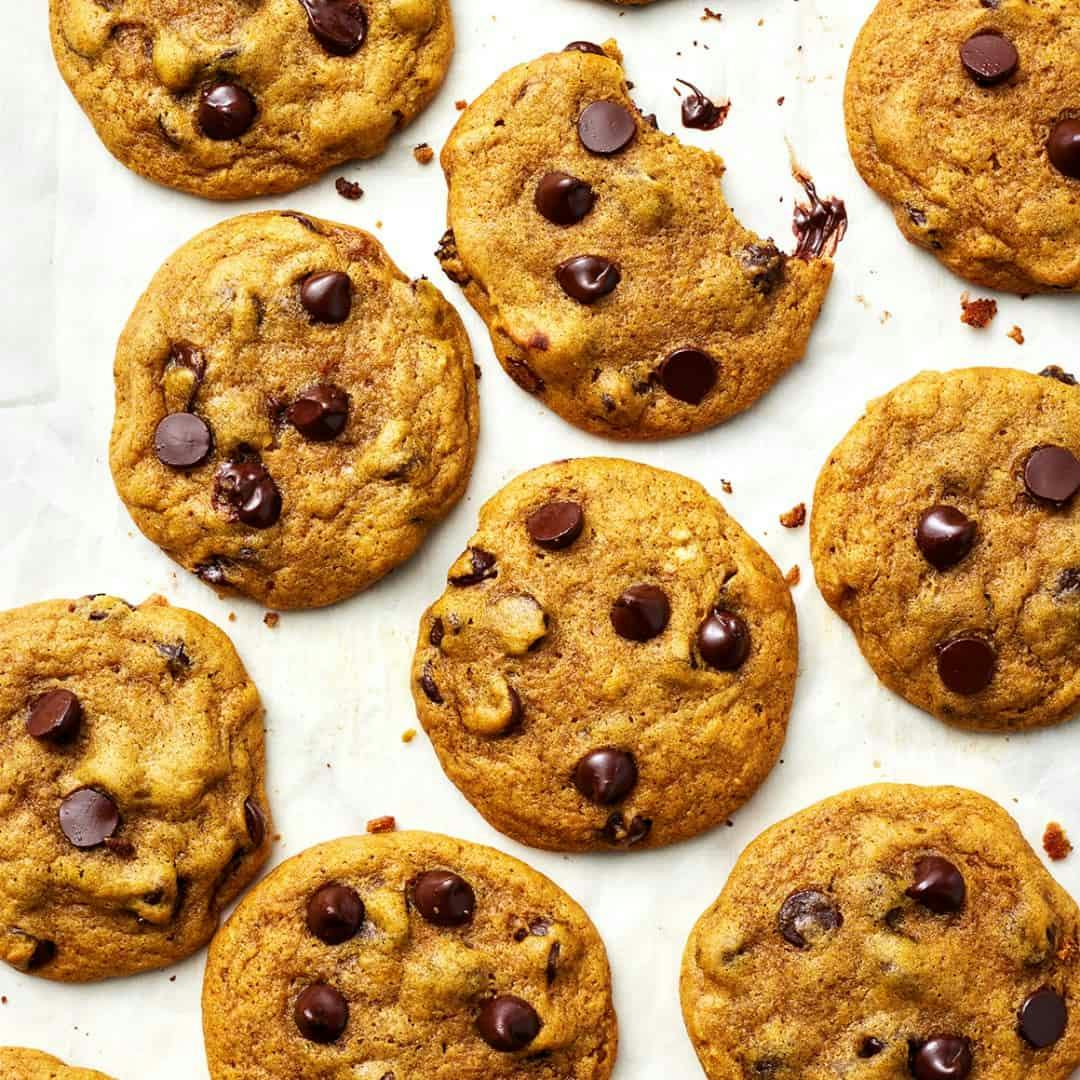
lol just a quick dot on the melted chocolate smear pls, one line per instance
(701, 112)
(818, 226)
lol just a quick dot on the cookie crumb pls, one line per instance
(726, 488)
(232, 616)
(423, 153)
(793, 576)
(272, 618)
(348, 190)
(382, 824)
(1055, 842)
(1017, 335)
(710, 14)
(461, 104)
(977, 313)
(795, 518)
(408, 735)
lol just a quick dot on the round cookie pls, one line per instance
(945, 533)
(963, 115)
(293, 415)
(408, 955)
(19, 1064)
(615, 281)
(891, 931)
(132, 800)
(233, 99)
(613, 662)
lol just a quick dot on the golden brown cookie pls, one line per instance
(612, 663)
(234, 98)
(891, 931)
(293, 414)
(945, 532)
(965, 116)
(615, 281)
(132, 799)
(19, 1064)
(408, 955)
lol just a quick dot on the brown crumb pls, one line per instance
(461, 104)
(408, 735)
(710, 14)
(423, 153)
(382, 824)
(1055, 843)
(172, 978)
(3, 999)
(272, 618)
(793, 576)
(1017, 335)
(348, 190)
(977, 313)
(795, 518)
(780, 100)
(725, 486)
(232, 616)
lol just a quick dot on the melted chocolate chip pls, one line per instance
(938, 885)
(226, 111)
(966, 664)
(327, 296)
(88, 817)
(175, 656)
(941, 1057)
(1058, 373)
(699, 111)
(605, 127)
(443, 898)
(429, 686)
(989, 57)
(508, 1024)
(556, 525)
(254, 822)
(723, 640)
(320, 414)
(819, 226)
(437, 632)
(641, 613)
(807, 915)
(321, 1013)
(1052, 474)
(688, 375)
(182, 441)
(764, 265)
(335, 914)
(587, 278)
(1063, 147)
(339, 26)
(1043, 1018)
(606, 776)
(44, 953)
(248, 489)
(945, 535)
(1068, 583)
(482, 568)
(563, 199)
(551, 968)
(55, 717)
(870, 1047)
(585, 47)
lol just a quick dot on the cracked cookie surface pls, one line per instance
(944, 532)
(19, 1064)
(235, 99)
(613, 662)
(408, 955)
(132, 801)
(962, 114)
(293, 415)
(614, 279)
(890, 931)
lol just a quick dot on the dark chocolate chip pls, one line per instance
(182, 440)
(55, 717)
(327, 296)
(551, 969)
(945, 535)
(44, 952)
(321, 1013)
(563, 199)
(688, 375)
(1063, 146)
(508, 1024)
(989, 57)
(339, 26)
(641, 613)
(1052, 474)
(1068, 583)
(88, 817)
(870, 1047)
(482, 568)
(248, 489)
(1058, 373)
(764, 265)
(335, 914)
(606, 776)
(436, 633)
(175, 656)
(941, 1057)
(605, 127)
(966, 664)
(1043, 1018)
(723, 640)
(443, 898)
(429, 686)
(585, 47)
(556, 525)
(806, 915)
(699, 111)
(587, 278)
(938, 885)
(255, 822)
(320, 414)
(226, 111)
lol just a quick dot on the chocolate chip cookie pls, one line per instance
(945, 533)
(293, 415)
(890, 931)
(234, 99)
(19, 1064)
(613, 662)
(614, 279)
(408, 955)
(132, 805)
(965, 116)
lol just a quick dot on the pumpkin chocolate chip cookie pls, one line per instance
(19, 1064)
(945, 532)
(132, 805)
(234, 99)
(408, 955)
(615, 281)
(293, 415)
(888, 932)
(613, 662)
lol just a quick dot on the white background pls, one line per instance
(82, 238)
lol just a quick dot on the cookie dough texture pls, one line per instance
(538, 632)
(691, 276)
(961, 439)
(964, 166)
(141, 68)
(228, 305)
(171, 731)
(413, 989)
(19, 1064)
(893, 970)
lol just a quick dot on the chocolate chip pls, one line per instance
(44, 952)
(605, 127)
(641, 613)
(1043, 1018)
(699, 111)
(175, 656)
(944, 535)
(556, 525)
(248, 489)
(941, 1057)
(437, 632)
(335, 914)
(443, 898)
(55, 717)
(226, 111)
(764, 265)
(1068, 583)
(989, 57)
(723, 640)
(255, 822)
(1063, 146)
(806, 915)
(339, 26)
(688, 375)
(585, 47)
(508, 1024)
(551, 969)
(1052, 474)
(587, 278)
(88, 817)
(1058, 373)
(321, 1013)
(938, 885)
(482, 568)
(966, 664)
(213, 572)
(870, 1047)
(606, 776)
(563, 199)
(327, 296)
(320, 414)
(429, 686)
(819, 225)
(182, 440)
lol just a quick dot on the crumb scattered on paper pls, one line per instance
(1056, 843)
(795, 518)
(382, 824)
(423, 153)
(1017, 335)
(272, 618)
(793, 576)
(408, 735)
(977, 313)
(348, 190)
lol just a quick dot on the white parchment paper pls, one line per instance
(82, 237)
